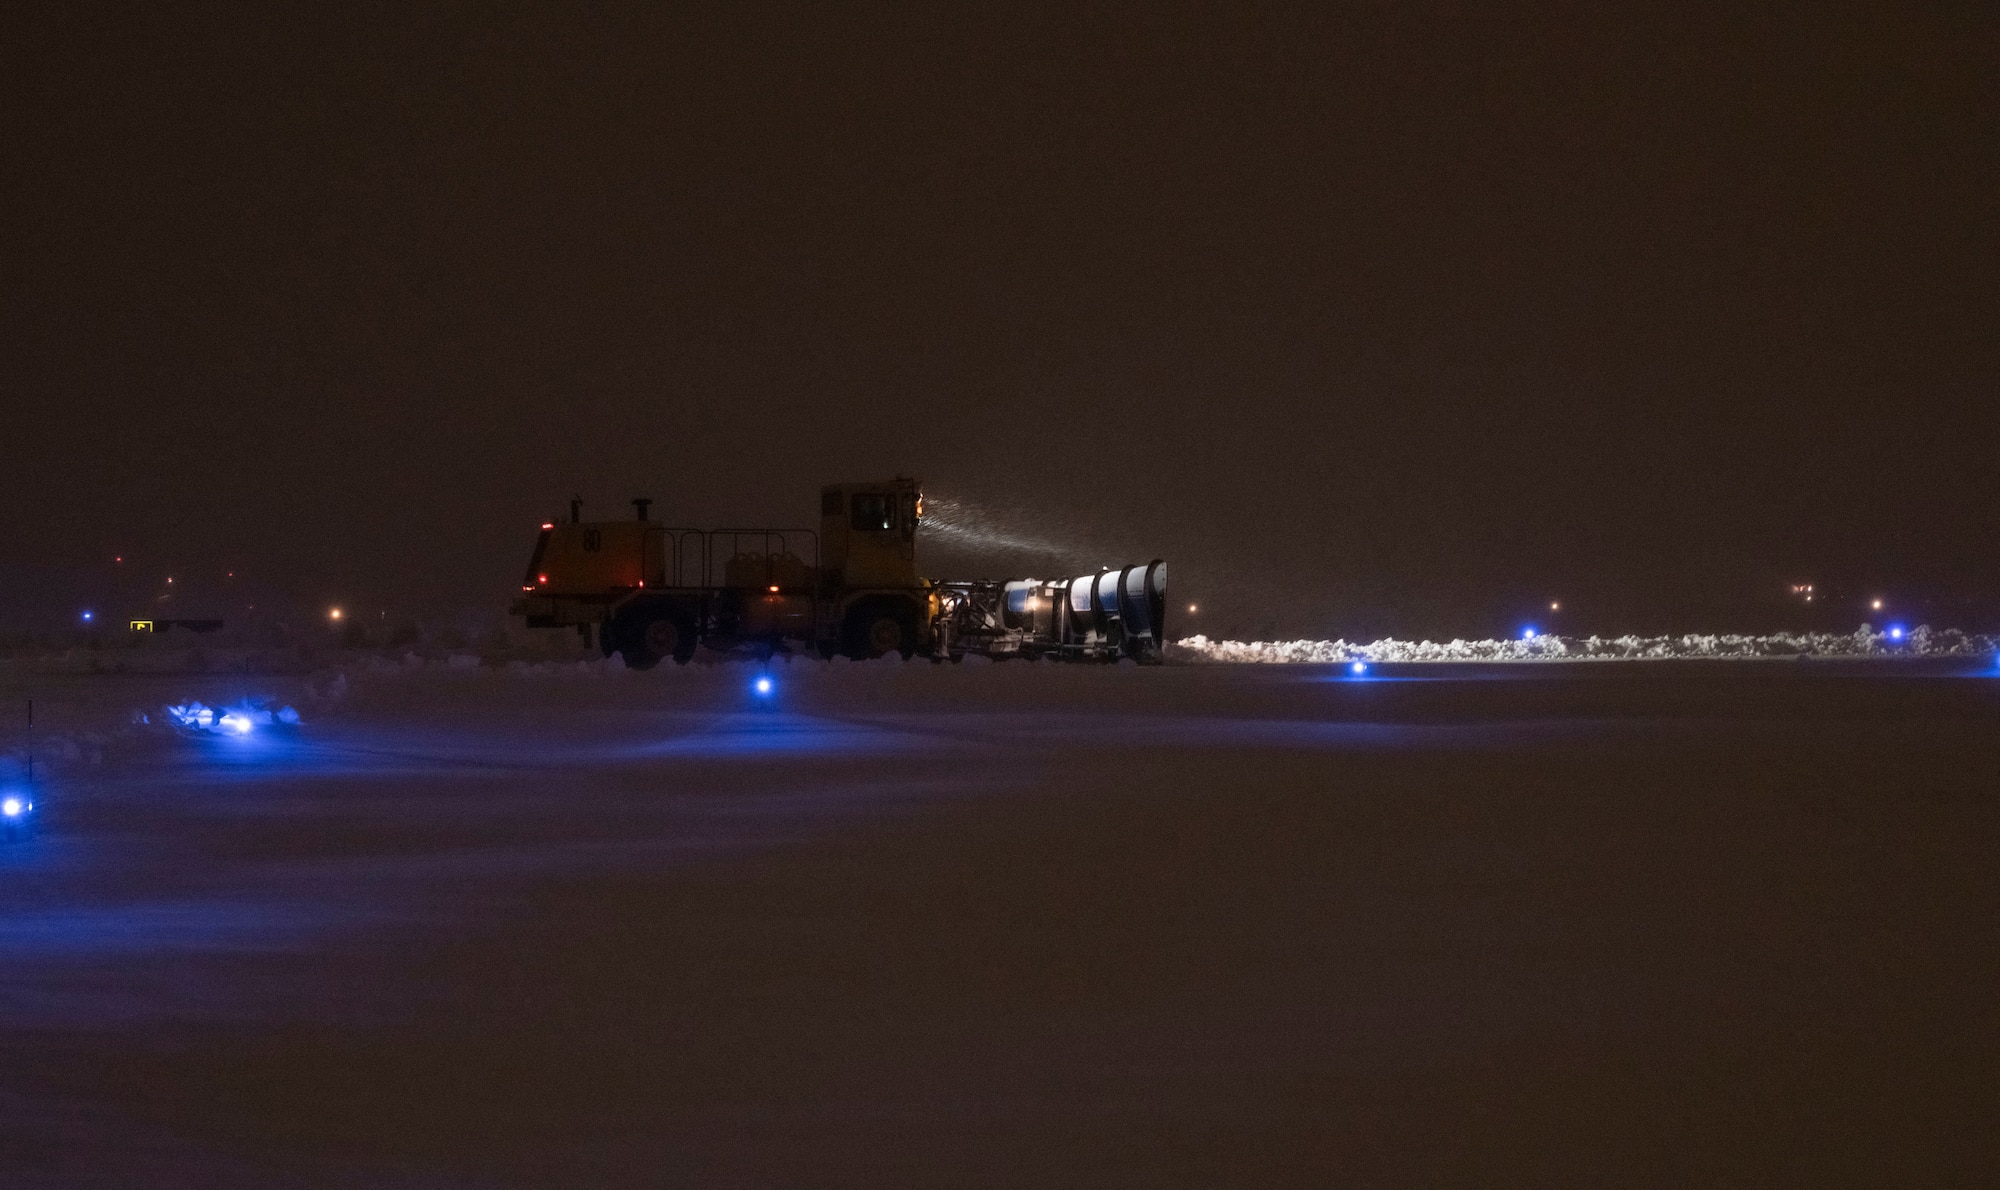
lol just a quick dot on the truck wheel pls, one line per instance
(878, 631)
(646, 643)
(668, 636)
(636, 656)
(661, 637)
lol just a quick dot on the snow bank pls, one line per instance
(241, 719)
(1862, 642)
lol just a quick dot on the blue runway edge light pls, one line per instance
(1528, 633)
(1358, 668)
(14, 807)
(1896, 632)
(762, 686)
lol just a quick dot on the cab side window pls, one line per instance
(873, 511)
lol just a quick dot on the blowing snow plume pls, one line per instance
(972, 526)
(965, 532)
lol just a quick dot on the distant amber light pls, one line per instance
(333, 613)
(1193, 608)
(774, 588)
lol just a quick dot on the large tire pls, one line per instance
(646, 643)
(878, 630)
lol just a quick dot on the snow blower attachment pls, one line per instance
(650, 591)
(1103, 616)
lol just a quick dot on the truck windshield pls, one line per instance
(873, 510)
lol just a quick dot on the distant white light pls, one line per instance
(1875, 604)
(1193, 608)
(1554, 606)
(12, 807)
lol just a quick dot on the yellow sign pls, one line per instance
(142, 625)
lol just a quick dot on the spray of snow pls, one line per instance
(1863, 642)
(963, 523)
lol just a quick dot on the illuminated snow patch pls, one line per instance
(238, 720)
(1863, 642)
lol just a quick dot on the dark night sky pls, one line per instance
(1392, 317)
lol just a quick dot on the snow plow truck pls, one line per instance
(651, 592)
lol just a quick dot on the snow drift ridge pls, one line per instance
(1863, 642)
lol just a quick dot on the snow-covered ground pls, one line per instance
(526, 921)
(93, 703)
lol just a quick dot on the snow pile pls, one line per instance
(241, 719)
(1863, 642)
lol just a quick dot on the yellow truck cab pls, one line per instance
(868, 555)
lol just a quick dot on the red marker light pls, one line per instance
(548, 524)
(541, 578)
